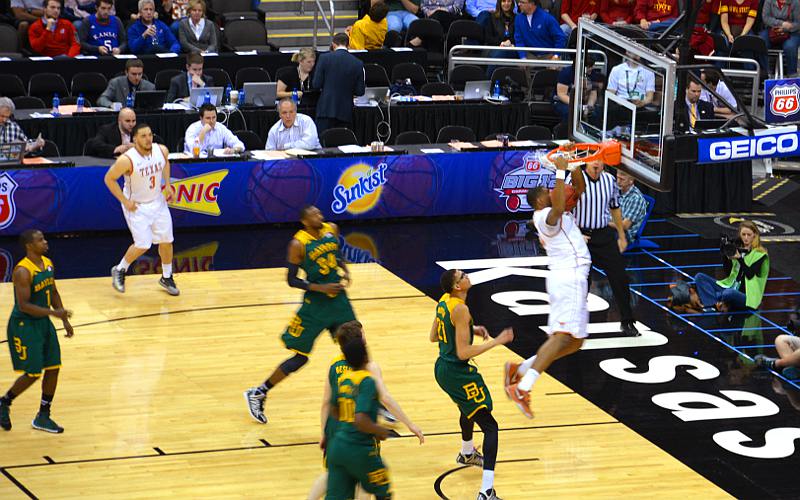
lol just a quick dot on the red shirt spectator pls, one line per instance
(574, 9)
(656, 10)
(51, 36)
(739, 11)
(615, 11)
(709, 8)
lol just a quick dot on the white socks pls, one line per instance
(525, 366)
(166, 270)
(467, 447)
(487, 483)
(528, 380)
(123, 265)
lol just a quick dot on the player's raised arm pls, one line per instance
(464, 349)
(557, 196)
(390, 403)
(577, 180)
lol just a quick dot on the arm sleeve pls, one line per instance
(231, 141)
(188, 138)
(213, 43)
(357, 37)
(293, 280)
(135, 38)
(271, 144)
(319, 73)
(309, 140)
(36, 36)
(75, 47)
(637, 214)
(83, 36)
(367, 395)
(172, 42)
(186, 42)
(613, 202)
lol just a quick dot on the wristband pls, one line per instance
(561, 174)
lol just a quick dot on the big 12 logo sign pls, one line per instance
(783, 100)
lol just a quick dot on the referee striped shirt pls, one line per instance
(593, 210)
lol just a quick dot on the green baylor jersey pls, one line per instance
(42, 283)
(356, 392)
(321, 255)
(446, 330)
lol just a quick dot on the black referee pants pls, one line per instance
(605, 255)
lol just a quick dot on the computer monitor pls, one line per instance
(260, 94)
(710, 123)
(198, 96)
(377, 94)
(12, 152)
(150, 99)
(476, 90)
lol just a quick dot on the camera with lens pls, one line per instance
(730, 246)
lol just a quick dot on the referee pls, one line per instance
(597, 206)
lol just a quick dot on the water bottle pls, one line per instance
(154, 38)
(228, 94)
(241, 98)
(295, 97)
(79, 104)
(496, 90)
(196, 148)
(207, 98)
(56, 103)
(129, 101)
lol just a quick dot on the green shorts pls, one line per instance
(317, 313)
(350, 464)
(34, 345)
(464, 385)
(330, 432)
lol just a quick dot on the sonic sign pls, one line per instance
(782, 100)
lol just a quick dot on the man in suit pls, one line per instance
(180, 85)
(696, 109)
(113, 139)
(120, 87)
(340, 76)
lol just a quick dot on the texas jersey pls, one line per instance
(143, 183)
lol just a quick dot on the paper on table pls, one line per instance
(492, 144)
(178, 156)
(210, 54)
(166, 55)
(269, 155)
(443, 97)
(431, 150)
(41, 115)
(299, 152)
(354, 148)
(4, 58)
(81, 56)
(125, 56)
(40, 58)
(246, 53)
(522, 143)
(355, 51)
(402, 49)
(36, 160)
(462, 145)
(220, 153)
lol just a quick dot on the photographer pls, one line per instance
(744, 287)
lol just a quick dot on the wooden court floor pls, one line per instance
(151, 399)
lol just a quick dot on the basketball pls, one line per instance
(570, 197)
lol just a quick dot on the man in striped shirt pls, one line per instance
(632, 204)
(597, 207)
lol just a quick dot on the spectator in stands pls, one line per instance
(196, 33)
(572, 10)
(369, 32)
(339, 76)
(632, 204)
(120, 87)
(712, 78)
(401, 14)
(210, 135)
(148, 35)
(632, 81)
(617, 11)
(535, 27)
(656, 15)
(299, 78)
(737, 17)
(113, 139)
(51, 36)
(77, 11)
(293, 130)
(10, 131)
(101, 33)
(26, 12)
(499, 31)
(444, 11)
(781, 24)
(175, 10)
(592, 82)
(743, 288)
(701, 41)
(695, 108)
(481, 11)
(128, 11)
(180, 86)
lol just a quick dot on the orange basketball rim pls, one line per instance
(609, 152)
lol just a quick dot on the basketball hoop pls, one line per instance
(609, 152)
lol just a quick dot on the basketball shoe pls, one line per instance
(169, 285)
(5, 417)
(490, 494)
(510, 375)
(474, 458)
(118, 279)
(43, 422)
(255, 404)
(521, 398)
(765, 362)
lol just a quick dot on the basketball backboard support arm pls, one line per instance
(684, 60)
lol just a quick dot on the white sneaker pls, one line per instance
(255, 404)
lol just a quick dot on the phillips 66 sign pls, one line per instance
(782, 100)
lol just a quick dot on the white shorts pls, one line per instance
(150, 223)
(568, 289)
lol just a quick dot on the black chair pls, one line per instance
(334, 137)
(251, 74)
(9, 40)
(90, 84)
(247, 34)
(463, 74)
(436, 88)
(164, 76)
(455, 132)
(411, 70)
(493, 137)
(750, 47)
(561, 131)
(375, 76)
(517, 75)
(73, 99)
(228, 10)
(432, 36)
(534, 133)
(250, 139)
(28, 102)
(181, 144)
(543, 85)
(463, 31)
(393, 39)
(220, 76)
(44, 85)
(157, 139)
(50, 149)
(411, 137)
(11, 85)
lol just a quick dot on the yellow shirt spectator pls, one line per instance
(368, 33)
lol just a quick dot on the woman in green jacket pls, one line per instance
(744, 287)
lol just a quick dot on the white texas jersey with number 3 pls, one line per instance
(564, 242)
(143, 183)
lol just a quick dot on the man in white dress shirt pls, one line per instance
(293, 131)
(632, 81)
(211, 135)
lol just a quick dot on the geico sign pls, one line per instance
(748, 147)
(754, 147)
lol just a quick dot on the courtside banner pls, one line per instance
(782, 100)
(251, 192)
(740, 148)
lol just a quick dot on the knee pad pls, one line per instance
(294, 363)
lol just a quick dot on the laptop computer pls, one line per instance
(710, 123)
(198, 96)
(12, 152)
(477, 90)
(150, 99)
(377, 94)
(260, 94)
